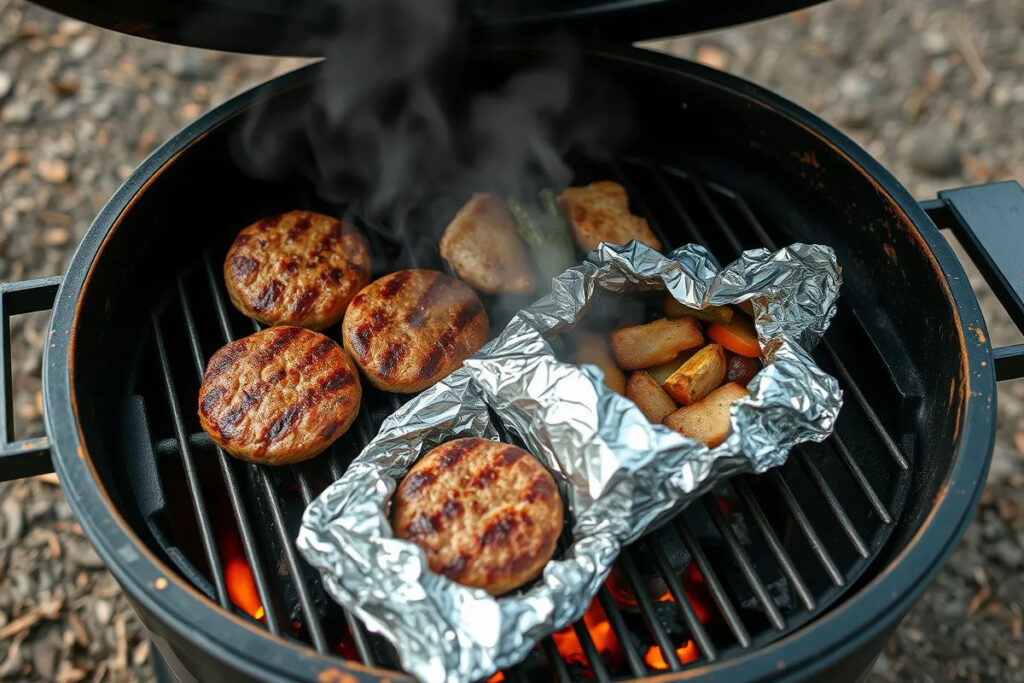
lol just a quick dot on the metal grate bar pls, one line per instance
(590, 652)
(611, 610)
(813, 540)
(776, 548)
(862, 481)
(242, 522)
(555, 660)
(830, 498)
(260, 474)
(680, 211)
(714, 584)
(869, 412)
(697, 630)
(354, 626)
(847, 378)
(316, 630)
(699, 187)
(744, 563)
(643, 601)
(191, 476)
(640, 203)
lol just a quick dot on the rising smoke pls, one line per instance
(406, 117)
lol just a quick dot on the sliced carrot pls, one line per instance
(738, 335)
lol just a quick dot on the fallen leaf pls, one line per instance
(978, 600)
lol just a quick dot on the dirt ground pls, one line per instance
(932, 88)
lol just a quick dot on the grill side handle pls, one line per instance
(27, 457)
(988, 220)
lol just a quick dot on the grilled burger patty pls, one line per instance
(297, 268)
(279, 396)
(487, 514)
(411, 328)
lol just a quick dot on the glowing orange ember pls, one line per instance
(687, 653)
(496, 678)
(600, 629)
(238, 577)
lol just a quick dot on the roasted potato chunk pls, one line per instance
(643, 346)
(697, 377)
(711, 314)
(663, 371)
(599, 212)
(592, 347)
(707, 420)
(649, 397)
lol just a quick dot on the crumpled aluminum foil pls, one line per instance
(618, 474)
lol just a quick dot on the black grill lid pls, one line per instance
(278, 26)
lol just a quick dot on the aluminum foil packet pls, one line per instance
(619, 475)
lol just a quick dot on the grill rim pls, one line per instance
(862, 616)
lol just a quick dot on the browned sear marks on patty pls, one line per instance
(279, 396)
(297, 268)
(411, 328)
(496, 537)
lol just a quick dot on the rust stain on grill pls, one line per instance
(269, 296)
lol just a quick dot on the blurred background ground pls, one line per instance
(932, 88)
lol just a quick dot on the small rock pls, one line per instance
(190, 110)
(1008, 553)
(855, 87)
(65, 85)
(56, 237)
(936, 43)
(935, 153)
(103, 611)
(713, 56)
(5, 84)
(18, 111)
(82, 46)
(185, 64)
(84, 555)
(53, 171)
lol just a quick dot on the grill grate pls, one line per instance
(765, 568)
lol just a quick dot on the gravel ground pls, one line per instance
(933, 88)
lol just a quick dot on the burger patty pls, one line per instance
(297, 268)
(411, 328)
(279, 396)
(487, 514)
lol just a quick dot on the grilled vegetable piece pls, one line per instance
(599, 212)
(546, 233)
(741, 369)
(707, 420)
(649, 397)
(747, 307)
(592, 347)
(738, 335)
(697, 377)
(643, 346)
(711, 314)
(663, 371)
(483, 246)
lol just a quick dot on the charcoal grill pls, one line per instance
(798, 573)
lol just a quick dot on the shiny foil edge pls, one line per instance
(618, 474)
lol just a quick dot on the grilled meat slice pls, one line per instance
(482, 245)
(279, 396)
(599, 212)
(487, 514)
(297, 268)
(411, 328)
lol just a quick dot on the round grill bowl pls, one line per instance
(805, 181)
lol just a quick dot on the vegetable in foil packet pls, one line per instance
(619, 474)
